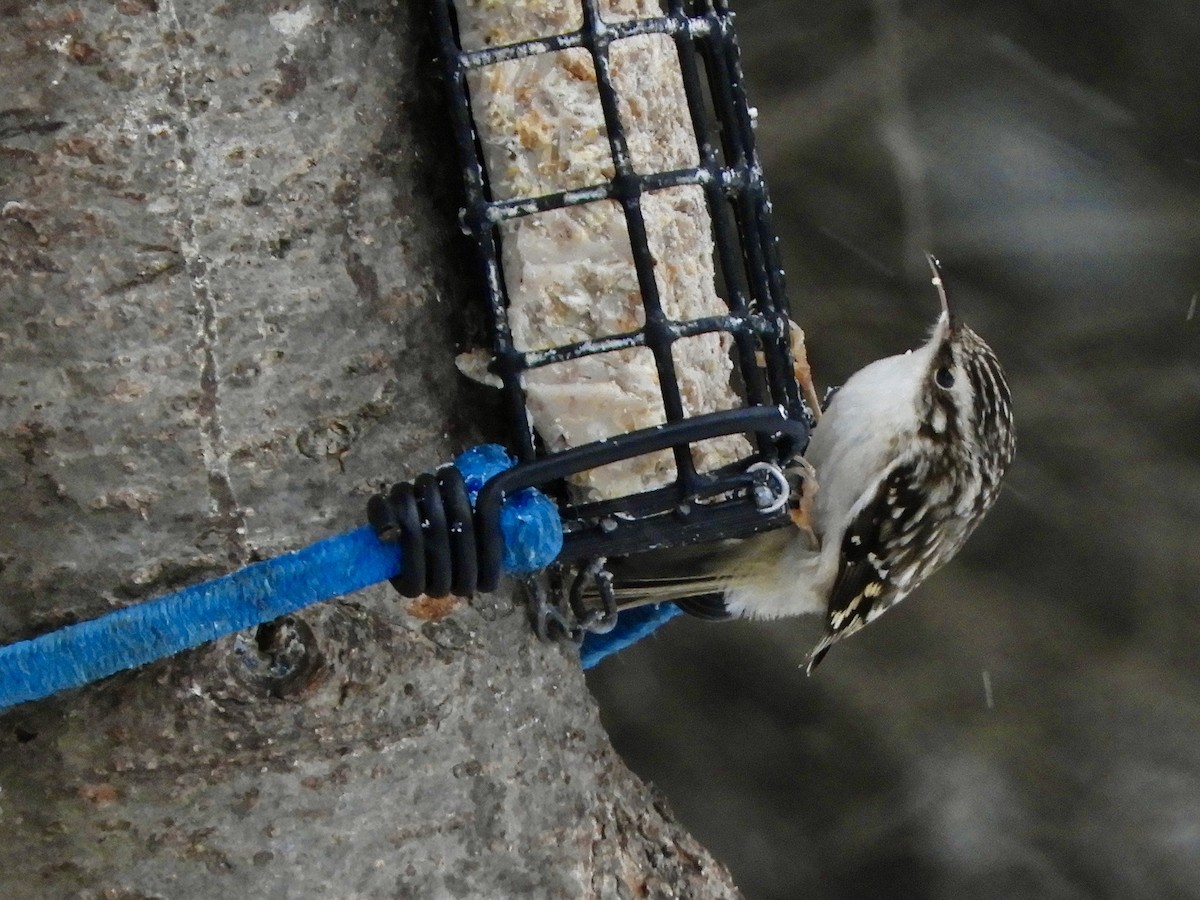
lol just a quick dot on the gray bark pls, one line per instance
(226, 286)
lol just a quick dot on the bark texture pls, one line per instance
(226, 286)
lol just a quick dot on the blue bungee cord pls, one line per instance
(632, 625)
(78, 654)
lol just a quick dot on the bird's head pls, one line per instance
(964, 401)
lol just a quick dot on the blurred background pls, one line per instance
(1027, 724)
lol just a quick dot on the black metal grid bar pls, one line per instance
(740, 325)
(677, 21)
(508, 362)
(754, 205)
(731, 179)
(628, 191)
(722, 184)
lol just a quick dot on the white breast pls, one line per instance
(869, 423)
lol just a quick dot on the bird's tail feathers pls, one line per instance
(639, 591)
(673, 575)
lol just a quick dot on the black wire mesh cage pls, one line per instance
(733, 497)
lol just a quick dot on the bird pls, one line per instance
(908, 455)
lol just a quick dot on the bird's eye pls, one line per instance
(944, 377)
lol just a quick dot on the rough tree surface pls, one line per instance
(224, 300)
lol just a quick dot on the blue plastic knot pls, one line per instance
(532, 527)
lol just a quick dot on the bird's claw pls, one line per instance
(801, 504)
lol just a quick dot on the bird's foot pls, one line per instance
(800, 505)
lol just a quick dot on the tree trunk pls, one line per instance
(227, 261)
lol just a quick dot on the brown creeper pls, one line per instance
(908, 457)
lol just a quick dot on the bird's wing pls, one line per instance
(862, 589)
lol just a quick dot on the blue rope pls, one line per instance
(85, 652)
(633, 625)
(136, 635)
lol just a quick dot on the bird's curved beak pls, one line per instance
(939, 282)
